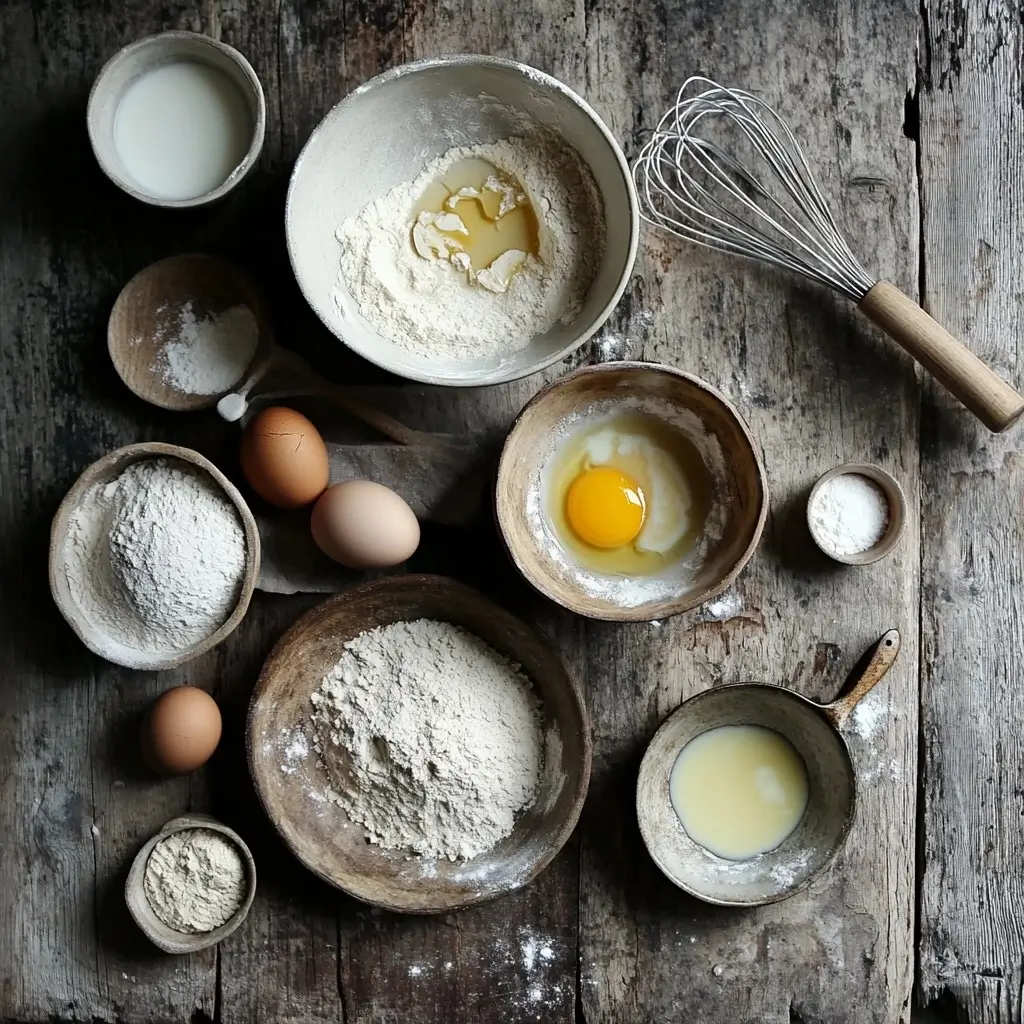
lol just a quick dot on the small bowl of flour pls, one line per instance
(154, 555)
(191, 885)
(402, 217)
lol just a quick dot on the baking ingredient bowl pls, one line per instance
(290, 785)
(103, 471)
(895, 502)
(147, 314)
(385, 132)
(814, 731)
(523, 502)
(160, 934)
(153, 53)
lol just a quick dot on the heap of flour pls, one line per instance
(431, 740)
(155, 558)
(429, 308)
(195, 880)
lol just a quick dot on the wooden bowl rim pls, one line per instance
(138, 903)
(128, 455)
(655, 609)
(895, 499)
(644, 782)
(560, 836)
(183, 401)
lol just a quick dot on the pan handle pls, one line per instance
(881, 661)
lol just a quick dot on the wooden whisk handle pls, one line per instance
(954, 365)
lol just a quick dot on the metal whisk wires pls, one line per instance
(723, 169)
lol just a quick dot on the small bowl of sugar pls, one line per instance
(856, 513)
(177, 119)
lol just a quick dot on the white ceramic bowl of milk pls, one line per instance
(177, 119)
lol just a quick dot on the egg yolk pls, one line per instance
(605, 507)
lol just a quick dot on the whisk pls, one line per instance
(723, 169)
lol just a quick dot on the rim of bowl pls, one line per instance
(135, 892)
(258, 130)
(565, 829)
(497, 376)
(674, 606)
(895, 500)
(851, 811)
(70, 610)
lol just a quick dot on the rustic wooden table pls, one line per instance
(915, 117)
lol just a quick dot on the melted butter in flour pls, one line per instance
(480, 220)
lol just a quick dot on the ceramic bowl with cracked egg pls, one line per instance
(630, 492)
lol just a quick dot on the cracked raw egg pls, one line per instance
(284, 458)
(628, 495)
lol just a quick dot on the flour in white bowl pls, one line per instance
(431, 309)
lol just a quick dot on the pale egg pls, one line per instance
(628, 494)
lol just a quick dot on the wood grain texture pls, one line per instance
(599, 937)
(971, 946)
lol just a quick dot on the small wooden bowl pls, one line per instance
(103, 471)
(290, 785)
(147, 310)
(897, 512)
(167, 939)
(689, 404)
(144, 55)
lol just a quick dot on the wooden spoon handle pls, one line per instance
(954, 365)
(881, 661)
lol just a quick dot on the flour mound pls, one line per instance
(432, 741)
(430, 308)
(156, 557)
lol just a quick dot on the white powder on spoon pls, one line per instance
(431, 740)
(205, 356)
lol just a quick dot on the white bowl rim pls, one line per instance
(499, 375)
(259, 127)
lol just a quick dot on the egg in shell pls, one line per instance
(364, 525)
(628, 494)
(284, 458)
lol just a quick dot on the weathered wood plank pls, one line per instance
(817, 388)
(971, 946)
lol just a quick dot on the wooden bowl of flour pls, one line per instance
(291, 784)
(92, 632)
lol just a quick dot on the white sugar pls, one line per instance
(849, 514)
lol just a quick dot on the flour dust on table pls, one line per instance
(155, 558)
(488, 247)
(431, 740)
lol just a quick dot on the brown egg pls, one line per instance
(364, 525)
(181, 730)
(284, 458)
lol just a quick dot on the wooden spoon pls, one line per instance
(147, 316)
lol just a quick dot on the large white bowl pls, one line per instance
(385, 132)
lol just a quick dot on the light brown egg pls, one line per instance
(284, 458)
(364, 525)
(181, 730)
